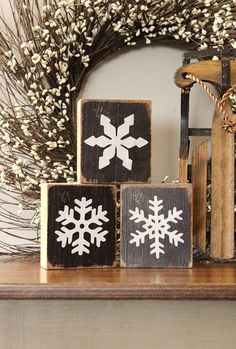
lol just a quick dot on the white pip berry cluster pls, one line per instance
(53, 55)
(46, 57)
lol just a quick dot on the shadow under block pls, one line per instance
(78, 226)
(156, 226)
(114, 141)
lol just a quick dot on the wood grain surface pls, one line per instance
(199, 182)
(150, 227)
(222, 189)
(66, 202)
(90, 128)
(24, 279)
(208, 70)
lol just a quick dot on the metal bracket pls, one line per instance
(225, 75)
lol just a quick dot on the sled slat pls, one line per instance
(199, 182)
(222, 197)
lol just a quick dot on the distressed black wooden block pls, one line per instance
(114, 141)
(78, 225)
(156, 226)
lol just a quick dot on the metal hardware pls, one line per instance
(225, 75)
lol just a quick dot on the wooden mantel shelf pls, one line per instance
(22, 279)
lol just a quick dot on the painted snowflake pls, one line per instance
(156, 227)
(115, 142)
(78, 227)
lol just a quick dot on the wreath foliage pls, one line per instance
(44, 58)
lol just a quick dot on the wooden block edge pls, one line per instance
(43, 225)
(157, 185)
(78, 140)
(82, 101)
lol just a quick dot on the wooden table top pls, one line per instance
(24, 279)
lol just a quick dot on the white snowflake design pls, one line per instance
(156, 227)
(81, 226)
(115, 143)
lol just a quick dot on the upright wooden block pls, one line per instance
(199, 182)
(114, 141)
(222, 188)
(78, 225)
(156, 226)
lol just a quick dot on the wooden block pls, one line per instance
(156, 226)
(199, 182)
(114, 141)
(78, 226)
(222, 189)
